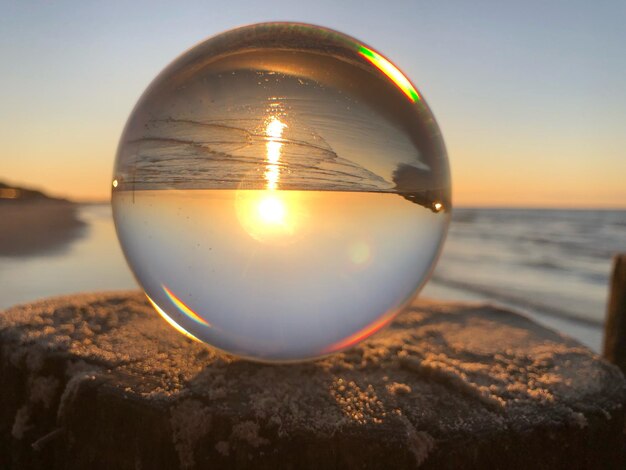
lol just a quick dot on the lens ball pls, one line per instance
(281, 191)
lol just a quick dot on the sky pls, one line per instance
(530, 96)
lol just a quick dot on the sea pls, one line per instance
(551, 265)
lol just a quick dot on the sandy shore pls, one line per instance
(32, 227)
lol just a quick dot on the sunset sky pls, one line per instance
(530, 96)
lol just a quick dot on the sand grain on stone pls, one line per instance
(445, 386)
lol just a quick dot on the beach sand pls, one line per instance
(37, 226)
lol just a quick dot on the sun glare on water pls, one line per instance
(270, 215)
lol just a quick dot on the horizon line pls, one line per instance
(533, 206)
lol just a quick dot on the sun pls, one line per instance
(269, 216)
(272, 210)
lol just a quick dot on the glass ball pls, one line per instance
(281, 191)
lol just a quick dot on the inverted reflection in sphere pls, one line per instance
(281, 191)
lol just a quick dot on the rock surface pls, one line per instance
(100, 381)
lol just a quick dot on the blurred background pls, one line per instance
(530, 98)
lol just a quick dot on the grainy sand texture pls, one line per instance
(100, 381)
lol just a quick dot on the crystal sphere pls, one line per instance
(281, 191)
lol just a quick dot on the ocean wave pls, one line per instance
(523, 301)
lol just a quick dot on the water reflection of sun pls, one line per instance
(274, 132)
(270, 215)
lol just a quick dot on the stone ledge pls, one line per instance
(100, 381)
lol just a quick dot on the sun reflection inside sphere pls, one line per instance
(272, 210)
